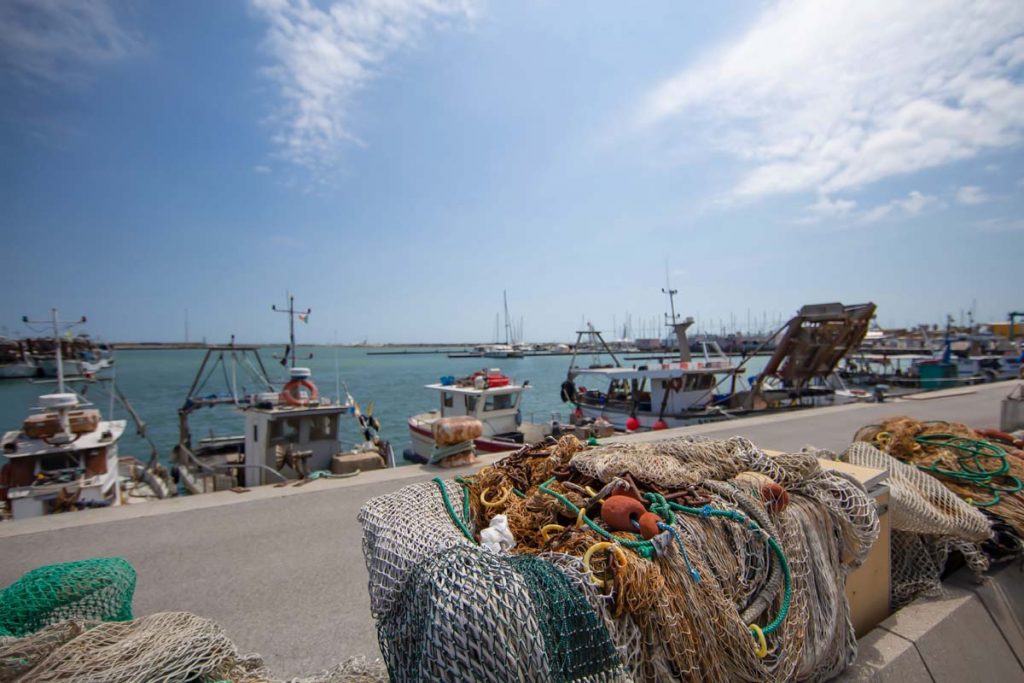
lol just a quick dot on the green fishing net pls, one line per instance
(98, 589)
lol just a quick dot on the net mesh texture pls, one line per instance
(560, 606)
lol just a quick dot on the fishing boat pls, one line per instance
(15, 360)
(291, 431)
(81, 355)
(703, 385)
(65, 455)
(493, 398)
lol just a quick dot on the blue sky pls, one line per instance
(398, 164)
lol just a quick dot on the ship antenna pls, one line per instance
(291, 323)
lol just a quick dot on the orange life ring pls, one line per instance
(292, 393)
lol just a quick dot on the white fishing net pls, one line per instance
(928, 521)
(161, 648)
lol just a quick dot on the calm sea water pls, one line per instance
(156, 383)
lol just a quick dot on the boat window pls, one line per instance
(286, 429)
(470, 405)
(58, 461)
(447, 399)
(324, 427)
(498, 402)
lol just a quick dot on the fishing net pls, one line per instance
(98, 589)
(73, 622)
(744, 580)
(928, 521)
(981, 472)
(159, 648)
(952, 491)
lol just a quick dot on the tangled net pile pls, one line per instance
(744, 581)
(73, 622)
(952, 490)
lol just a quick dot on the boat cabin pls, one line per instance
(666, 388)
(488, 395)
(64, 457)
(293, 440)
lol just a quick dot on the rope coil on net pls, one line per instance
(734, 585)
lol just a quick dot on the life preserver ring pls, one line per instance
(293, 393)
(568, 391)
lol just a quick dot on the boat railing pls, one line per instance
(212, 469)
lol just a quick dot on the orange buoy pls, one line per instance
(619, 512)
(775, 497)
(660, 424)
(649, 525)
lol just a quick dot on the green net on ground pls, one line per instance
(98, 589)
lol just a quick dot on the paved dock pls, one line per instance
(282, 569)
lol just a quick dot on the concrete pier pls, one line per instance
(282, 569)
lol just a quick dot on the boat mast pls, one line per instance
(291, 322)
(504, 296)
(57, 323)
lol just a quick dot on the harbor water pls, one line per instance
(156, 383)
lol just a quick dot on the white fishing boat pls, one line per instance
(64, 457)
(291, 433)
(702, 385)
(491, 397)
(15, 360)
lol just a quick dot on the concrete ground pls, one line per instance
(282, 569)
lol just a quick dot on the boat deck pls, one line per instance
(282, 569)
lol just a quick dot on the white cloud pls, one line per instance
(325, 56)
(260, 168)
(832, 96)
(914, 203)
(832, 208)
(971, 195)
(59, 41)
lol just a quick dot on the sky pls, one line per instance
(398, 164)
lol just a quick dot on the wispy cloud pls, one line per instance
(61, 41)
(323, 57)
(913, 204)
(832, 96)
(971, 195)
(260, 168)
(832, 208)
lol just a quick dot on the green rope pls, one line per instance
(644, 549)
(973, 453)
(451, 511)
(666, 510)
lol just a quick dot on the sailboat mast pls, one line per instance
(504, 296)
(60, 353)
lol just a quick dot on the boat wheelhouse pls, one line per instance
(489, 396)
